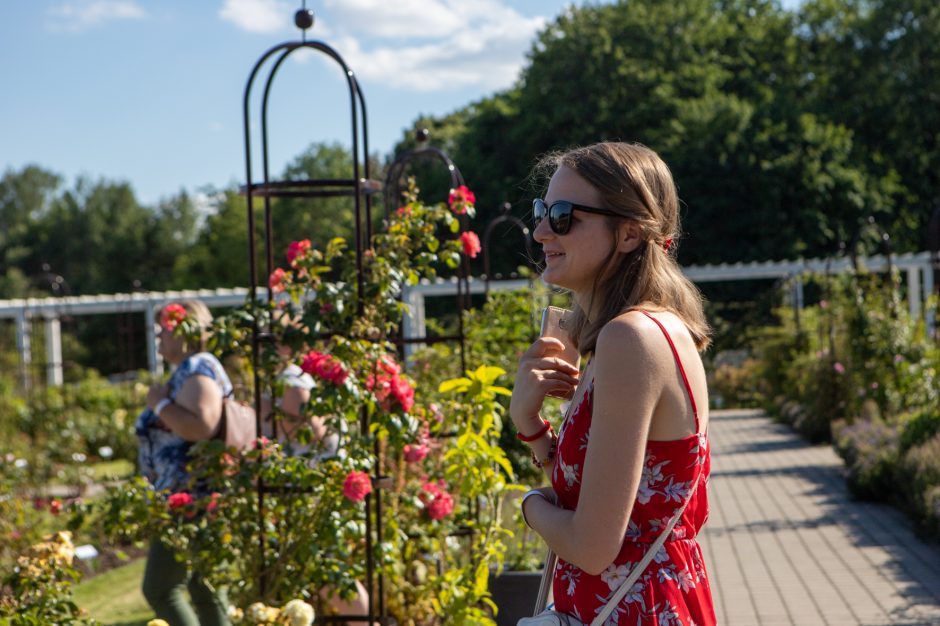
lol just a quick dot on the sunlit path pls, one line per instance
(786, 544)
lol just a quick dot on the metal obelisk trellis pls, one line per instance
(393, 194)
(359, 187)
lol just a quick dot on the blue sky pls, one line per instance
(151, 91)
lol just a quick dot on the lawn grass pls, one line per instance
(112, 470)
(114, 598)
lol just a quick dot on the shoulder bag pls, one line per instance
(548, 617)
(238, 427)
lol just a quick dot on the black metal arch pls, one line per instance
(392, 195)
(361, 188)
(512, 220)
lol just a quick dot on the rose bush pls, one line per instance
(418, 469)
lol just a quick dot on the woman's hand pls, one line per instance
(541, 373)
(156, 393)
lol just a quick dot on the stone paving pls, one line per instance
(786, 544)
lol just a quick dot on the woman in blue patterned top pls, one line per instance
(185, 410)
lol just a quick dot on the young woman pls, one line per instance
(187, 409)
(633, 446)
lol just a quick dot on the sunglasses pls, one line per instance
(559, 214)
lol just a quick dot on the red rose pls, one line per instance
(404, 210)
(312, 360)
(415, 453)
(357, 486)
(277, 280)
(461, 199)
(171, 316)
(55, 507)
(439, 504)
(471, 243)
(297, 250)
(179, 500)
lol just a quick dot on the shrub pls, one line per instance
(871, 452)
(919, 428)
(918, 478)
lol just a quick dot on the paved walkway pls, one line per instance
(785, 543)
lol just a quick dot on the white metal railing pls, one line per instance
(916, 265)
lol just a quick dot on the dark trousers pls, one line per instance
(164, 586)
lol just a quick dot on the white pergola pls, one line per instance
(916, 266)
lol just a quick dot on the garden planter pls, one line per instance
(514, 593)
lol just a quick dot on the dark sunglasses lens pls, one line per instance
(559, 217)
(538, 210)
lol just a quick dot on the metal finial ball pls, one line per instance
(507, 207)
(304, 18)
(422, 135)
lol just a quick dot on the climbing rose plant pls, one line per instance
(427, 456)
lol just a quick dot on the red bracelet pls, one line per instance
(546, 426)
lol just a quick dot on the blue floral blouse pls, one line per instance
(162, 454)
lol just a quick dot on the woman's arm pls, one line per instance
(541, 373)
(197, 409)
(629, 373)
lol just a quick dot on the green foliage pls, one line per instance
(40, 586)
(871, 453)
(796, 123)
(918, 478)
(920, 427)
(437, 466)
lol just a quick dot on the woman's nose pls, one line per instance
(542, 231)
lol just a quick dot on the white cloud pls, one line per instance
(85, 14)
(259, 16)
(433, 45)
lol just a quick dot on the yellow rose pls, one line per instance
(157, 622)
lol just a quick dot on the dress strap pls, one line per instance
(675, 353)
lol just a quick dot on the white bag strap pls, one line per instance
(645, 561)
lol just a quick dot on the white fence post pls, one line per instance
(24, 347)
(53, 351)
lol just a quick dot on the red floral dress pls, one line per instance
(674, 589)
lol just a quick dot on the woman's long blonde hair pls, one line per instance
(635, 182)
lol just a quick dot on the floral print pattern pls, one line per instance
(674, 589)
(162, 454)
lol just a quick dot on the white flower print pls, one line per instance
(661, 555)
(668, 616)
(666, 573)
(652, 474)
(584, 440)
(676, 491)
(635, 595)
(614, 618)
(633, 531)
(685, 580)
(571, 576)
(614, 575)
(570, 472)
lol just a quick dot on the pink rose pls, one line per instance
(403, 392)
(179, 500)
(277, 280)
(171, 316)
(471, 243)
(213, 502)
(839, 368)
(461, 199)
(297, 250)
(415, 453)
(357, 486)
(404, 210)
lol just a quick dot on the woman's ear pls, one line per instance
(628, 237)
